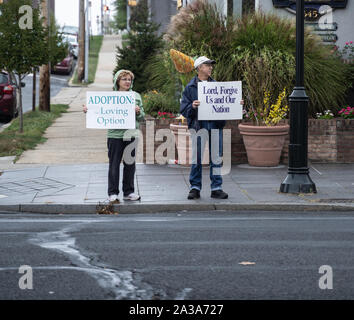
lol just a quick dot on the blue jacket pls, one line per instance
(190, 94)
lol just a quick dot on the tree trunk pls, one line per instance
(20, 110)
(34, 90)
(44, 71)
(81, 59)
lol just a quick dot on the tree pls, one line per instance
(57, 51)
(143, 44)
(58, 48)
(23, 42)
(120, 18)
(139, 14)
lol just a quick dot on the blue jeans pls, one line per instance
(215, 141)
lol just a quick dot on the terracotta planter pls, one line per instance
(263, 144)
(184, 145)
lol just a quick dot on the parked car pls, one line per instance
(65, 66)
(8, 96)
(72, 39)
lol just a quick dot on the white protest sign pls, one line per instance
(110, 110)
(220, 100)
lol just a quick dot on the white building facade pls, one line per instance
(331, 19)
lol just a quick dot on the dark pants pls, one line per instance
(116, 149)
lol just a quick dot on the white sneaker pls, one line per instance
(132, 197)
(113, 197)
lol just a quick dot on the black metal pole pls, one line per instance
(298, 179)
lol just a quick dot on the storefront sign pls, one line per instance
(323, 26)
(331, 3)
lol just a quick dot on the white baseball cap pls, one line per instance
(202, 60)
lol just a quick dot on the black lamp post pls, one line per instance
(298, 179)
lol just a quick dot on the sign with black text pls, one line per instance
(220, 100)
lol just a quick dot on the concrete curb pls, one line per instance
(172, 207)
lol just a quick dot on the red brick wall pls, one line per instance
(329, 141)
(345, 140)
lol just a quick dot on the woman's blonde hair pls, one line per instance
(122, 74)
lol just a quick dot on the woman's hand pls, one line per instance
(242, 102)
(137, 109)
(84, 108)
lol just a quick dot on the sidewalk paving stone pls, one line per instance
(70, 171)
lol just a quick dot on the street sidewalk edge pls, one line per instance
(172, 207)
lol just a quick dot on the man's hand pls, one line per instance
(137, 109)
(195, 104)
(84, 108)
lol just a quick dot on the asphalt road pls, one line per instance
(180, 256)
(57, 82)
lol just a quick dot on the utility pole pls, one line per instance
(81, 59)
(87, 39)
(102, 32)
(44, 71)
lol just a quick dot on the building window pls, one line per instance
(248, 6)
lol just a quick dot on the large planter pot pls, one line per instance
(184, 145)
(263, 144)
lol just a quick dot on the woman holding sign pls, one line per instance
(123, 81)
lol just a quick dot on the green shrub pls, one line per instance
(199, 30)
(155, 102)
(143, 44)
(163, 76)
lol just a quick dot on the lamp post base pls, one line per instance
(298, 183)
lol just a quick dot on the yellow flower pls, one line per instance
(275, 112)
(182, 62)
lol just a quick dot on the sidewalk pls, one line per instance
(68, 173)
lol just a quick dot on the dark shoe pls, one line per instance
(194, 194)
(219, 194)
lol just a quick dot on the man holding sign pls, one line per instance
(217, 102)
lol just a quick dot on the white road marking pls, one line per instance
(316, 170)
(183, 294)
(51, 77)
(121, 219)
(119, 282)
